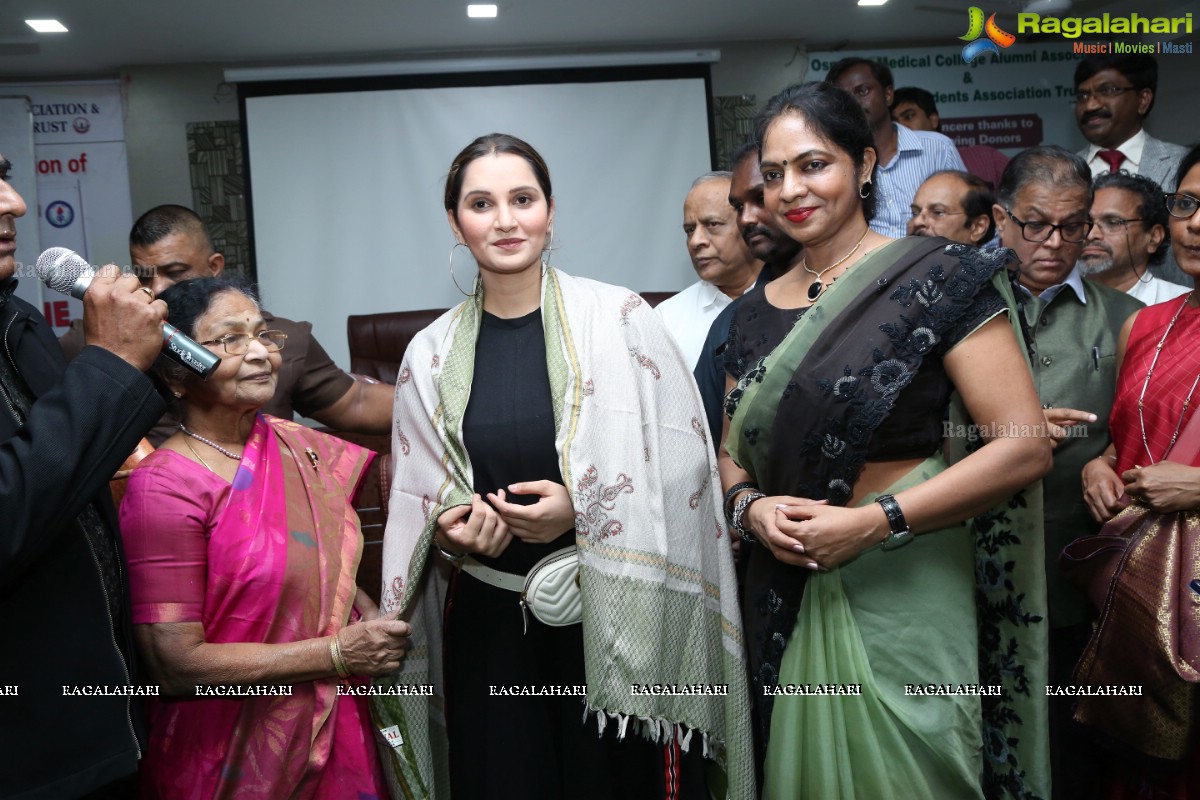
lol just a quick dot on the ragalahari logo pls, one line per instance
(996, 38)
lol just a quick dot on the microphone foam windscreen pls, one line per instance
(59, 268)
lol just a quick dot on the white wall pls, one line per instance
(159, 103)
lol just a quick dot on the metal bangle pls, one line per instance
(335, 654)
(453, 558)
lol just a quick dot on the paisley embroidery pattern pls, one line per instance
(633, 302)
(645, 362)
(598, 502)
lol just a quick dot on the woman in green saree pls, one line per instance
(836, 456)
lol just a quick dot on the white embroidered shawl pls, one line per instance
(659, 593)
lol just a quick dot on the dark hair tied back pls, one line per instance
(492, 144)
(834, 114)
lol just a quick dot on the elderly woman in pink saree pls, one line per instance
(242, 549)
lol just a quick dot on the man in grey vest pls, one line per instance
(1071, 329)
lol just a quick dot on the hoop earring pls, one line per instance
(455, 280)
(546, 254)
(864, 191)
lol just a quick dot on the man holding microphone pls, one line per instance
(64, 431)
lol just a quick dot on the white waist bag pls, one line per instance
(551, 590)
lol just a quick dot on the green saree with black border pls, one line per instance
(920, 632)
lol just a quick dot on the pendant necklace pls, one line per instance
(210, 443)
(816, 287)
(1187, 401)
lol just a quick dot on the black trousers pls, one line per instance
(528, 746)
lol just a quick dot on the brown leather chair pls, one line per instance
(377, 344)
(378, 341)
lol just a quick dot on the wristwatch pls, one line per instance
(901, 534)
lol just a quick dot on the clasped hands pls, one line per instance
(813, 534)
(1163, 487)
(486, 527)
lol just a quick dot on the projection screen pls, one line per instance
(346, 186)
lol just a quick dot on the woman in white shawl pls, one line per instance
(547, 412)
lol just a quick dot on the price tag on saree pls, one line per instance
(392, 734)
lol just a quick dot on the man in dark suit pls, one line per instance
(70, 725)
(1113, 97)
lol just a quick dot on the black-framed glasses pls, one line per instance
(238, 344)
(1072, 232)
(1180, 205)
(1114, 225)
(1105, 92)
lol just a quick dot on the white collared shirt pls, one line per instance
(1074, 280)
(1152, 291)
(1131, 148)
(689, 314)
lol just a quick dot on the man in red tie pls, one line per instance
(1113, 97)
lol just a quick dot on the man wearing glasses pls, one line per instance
(956, 205)
(1113, 97)
(1071, 329)
(1128, 237)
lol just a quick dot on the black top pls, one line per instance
(709, 371)
(508, 427)
(910, 431)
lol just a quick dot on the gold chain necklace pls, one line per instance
(816, 287)
(197, 455)
(1187, 401)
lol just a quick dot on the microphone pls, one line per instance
(65, 271)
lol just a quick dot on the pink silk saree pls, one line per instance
(270, 559)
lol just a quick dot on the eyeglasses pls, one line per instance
(1114, 225)
(936, 213)
(1072, 232)
(1180, 205)
(1105, 92)
(238, 344)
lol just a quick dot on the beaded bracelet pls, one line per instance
(733, 490)
(739, 513)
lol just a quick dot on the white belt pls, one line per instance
(494, 577)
